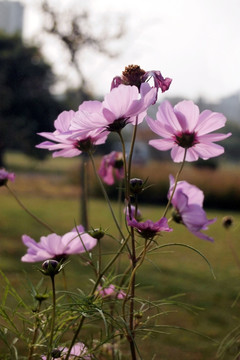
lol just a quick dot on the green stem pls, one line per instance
(36, 327)
(106, 196)
(27, 211)
(53, 317)
(175, 184)
(75, 337)
(132, 148)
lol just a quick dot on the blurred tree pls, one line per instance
(27, 105)
(77, 33)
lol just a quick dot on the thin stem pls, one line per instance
(99, 257)
(175, 184)
(106, 197)
(53, 317)
(132, 148)
(29, 212)
(84, 195)
(36, 327)
(75, 337)
(92, 293)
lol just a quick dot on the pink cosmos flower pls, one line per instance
(134, 75)
(183, 127)
(148, 229)
(79, 349)
(5, 176)
(111, 162)
(65, 141)
(188, 208)
(122, 106)
(58, 247)
(111, 292)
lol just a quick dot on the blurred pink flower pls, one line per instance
(111, 292)
(58, 247)
(148, 229)
(111, 162)
(188, 208)
(133, 214)
(66, 141)
(183, 127)
(5, 176)
(79, 349)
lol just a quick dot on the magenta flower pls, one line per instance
(68, 142)
(188, 208)
(183, 127)
(148, 229)
(110, 163)
(5, 176)
(111, 292)
(79, 349)
(134, 75)
(58, 247)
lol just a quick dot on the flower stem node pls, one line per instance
(51, 267)
(136, 186)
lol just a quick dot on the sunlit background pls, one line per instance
(194, 42)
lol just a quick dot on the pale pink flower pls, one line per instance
(111, 163)
(58, 247)
(66, 141)
(188, 208)
(148, 229)
(5, 176)
(79, 349)
(122, 106)
(183, 127)
(111, 292)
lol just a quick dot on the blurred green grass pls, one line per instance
(168, 272)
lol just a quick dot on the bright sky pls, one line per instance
(196, 43)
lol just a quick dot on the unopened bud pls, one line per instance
(227, 221)
(136, 186)
(51, 267)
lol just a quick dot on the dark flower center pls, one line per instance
(132, 75)
(118, 164)
(84, 145)
(117, 125)
(186, 139)
(147, 233)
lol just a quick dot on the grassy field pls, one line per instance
(169, 272)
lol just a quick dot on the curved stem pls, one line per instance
(175, 184)
(27, 211)
(106, 196)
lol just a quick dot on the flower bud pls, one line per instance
(97, 233)
(51, 267)
(136, 186)
(227, 221)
